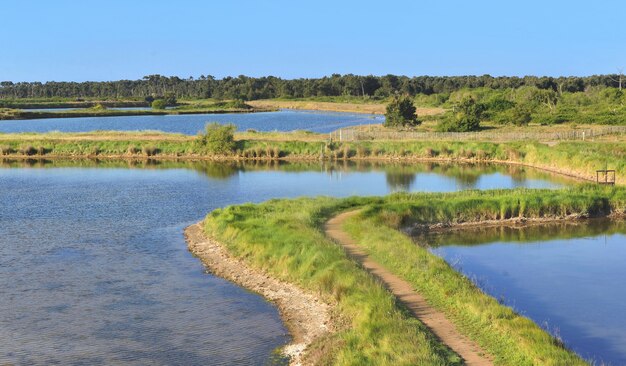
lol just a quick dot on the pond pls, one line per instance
(567, 277)
(94, 267)
(190, 124)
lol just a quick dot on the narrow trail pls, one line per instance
(434, 319)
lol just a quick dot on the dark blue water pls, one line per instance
(94, 268)
(573, 283)
(190, 124)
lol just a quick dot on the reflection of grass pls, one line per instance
(285, 238)
(399, 175)
(478, 235)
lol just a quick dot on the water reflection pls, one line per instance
(526, 233)
(398, 176)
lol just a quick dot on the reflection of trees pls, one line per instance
(517, 173)
(466, 175)
(218, 170)
(399, 181)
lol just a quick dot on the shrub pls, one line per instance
(218, 139)
(132, 150)
(159, 104)
(150, 150)
(401, 112)
(27, 150)
(520, 115)
(467, 118)
(5, 150)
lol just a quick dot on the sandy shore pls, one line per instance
(306, 316)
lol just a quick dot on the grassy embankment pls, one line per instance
(577, 158)
(285, 238)
(101, 109)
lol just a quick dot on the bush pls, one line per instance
(467, 118)
(150, 150)
(401, 112)
(27, 150)
(132, 150)
(218, 139)
(5, 150)
(520, 115)
(159, 104)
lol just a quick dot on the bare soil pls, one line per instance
(306, 316)
(371, 108)
(435, 320)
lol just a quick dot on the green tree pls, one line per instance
(218, 139)
(401, 112)
(467, 117)
(520, 115)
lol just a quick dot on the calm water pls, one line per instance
(190, 124)
(568, 278)
(94, 268)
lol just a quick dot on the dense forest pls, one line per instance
(250, 88)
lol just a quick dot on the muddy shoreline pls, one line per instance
(306, 316)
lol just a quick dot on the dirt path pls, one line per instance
(443, 328)
(306, 316)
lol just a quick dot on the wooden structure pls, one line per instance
(605, 176)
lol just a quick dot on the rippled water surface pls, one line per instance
(569, 278)
(190, 124)
(94, 268)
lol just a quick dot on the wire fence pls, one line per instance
(359, 134)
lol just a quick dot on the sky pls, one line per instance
(88, 40)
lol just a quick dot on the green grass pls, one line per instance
(579, 158)
(285, 238)
(93, 109)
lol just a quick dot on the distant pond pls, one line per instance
(190, 124)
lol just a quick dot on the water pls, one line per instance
(568, 278)
(190, 124)
(94, 268)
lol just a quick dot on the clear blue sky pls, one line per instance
(127, 39)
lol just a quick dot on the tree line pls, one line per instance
(251, 88)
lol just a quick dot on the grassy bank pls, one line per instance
(576, 158)
(28, 103)
(285, 238)
(17, 114)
